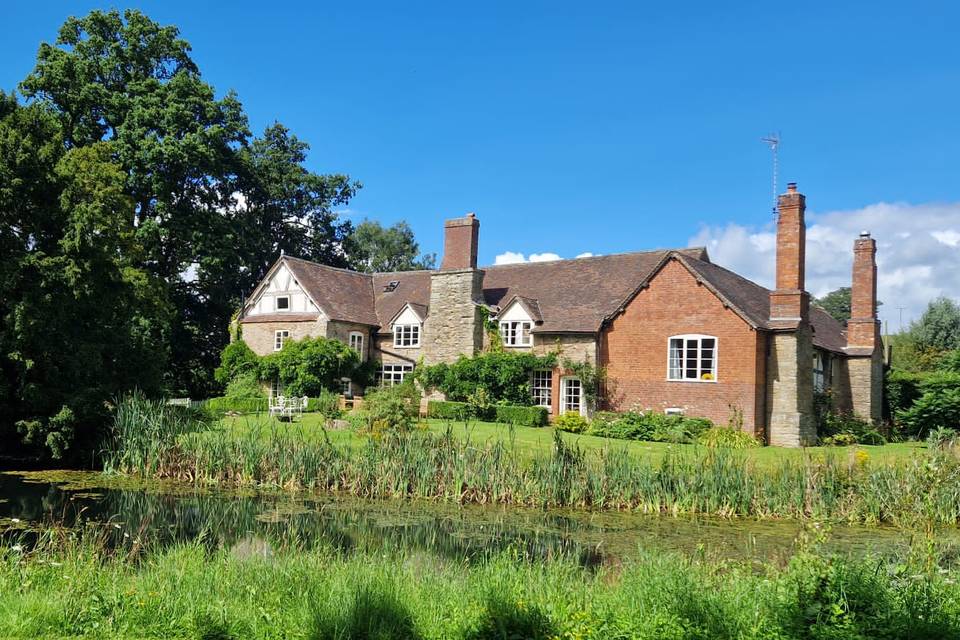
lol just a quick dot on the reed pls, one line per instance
(72, 585)
(689, 480)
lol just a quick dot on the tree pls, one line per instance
(374, 248)
(837, 304)
(938, 329)
(211, 206)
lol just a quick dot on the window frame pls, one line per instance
(414, 331)
(346, 387)
(276, 303)
(359, 349)
(823, 371)
(395, 368)
(548, 387)
(278, 338)
(699, 337)
(514, 331)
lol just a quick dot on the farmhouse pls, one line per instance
(674, 331)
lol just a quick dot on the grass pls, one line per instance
(69, 585)
(533, 441)
(450, 467)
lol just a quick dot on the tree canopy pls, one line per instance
(375, 248)
(837, 303)
(136, 210)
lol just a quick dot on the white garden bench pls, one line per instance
(284, 407)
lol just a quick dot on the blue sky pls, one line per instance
(596, 127)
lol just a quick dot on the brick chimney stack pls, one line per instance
(461, 238)
(863, 326)
(789, 302)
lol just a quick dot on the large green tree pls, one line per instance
(837, 303)
(375, 248)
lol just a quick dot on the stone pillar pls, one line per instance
(790, 361)
(454, 325)
(790, 389)
(865, 363)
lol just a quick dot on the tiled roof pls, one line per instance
(569, 296)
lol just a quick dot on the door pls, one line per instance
(571, 396)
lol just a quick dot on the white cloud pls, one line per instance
(585, 254)
(914, 266)
(509, 257)
(514, 257)
(543, 257)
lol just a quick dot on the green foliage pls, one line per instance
(902, 390)
(235, 358)
(940, 408)
(942, 438)
(837, 304)
(938, 328)
(504, 376)
(592, 378)
(245, 386)
(649, 425)
(950, 362)
(55, 435)
(504, 413)
(843, 439)
(308, 366)
(223, 405)
(393, 409)
(572, 422)
(727, 437)
(373, 248)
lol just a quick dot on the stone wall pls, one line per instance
(454, 326)
(260, 336)
(385, 352)
(865, 375)
(790, 389)
(339, 330)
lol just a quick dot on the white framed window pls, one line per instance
(571, 396)
(276, 388)
(516, 333)
(346, 387)
(819, 372)
(391, 374)
(278, 338)
(692, 358)
(406, 336)
(356, 343)
(282, 303)
(541, 387)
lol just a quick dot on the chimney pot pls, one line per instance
(864, 234)
(792, 187)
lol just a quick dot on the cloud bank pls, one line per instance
(918, 253)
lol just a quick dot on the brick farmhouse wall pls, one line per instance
(634, 346)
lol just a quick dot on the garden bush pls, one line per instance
(650, 425)
(507, 414)
(932, 410)
(522, 416)
(222, 405)
(389, 409)
(941, 438)
(504, 376)
(449, 410)
(727, 437)
(572, 422)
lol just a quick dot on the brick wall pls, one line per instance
(634, 350)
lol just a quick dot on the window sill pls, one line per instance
(693, 380)
(517, 346)
(409, 346)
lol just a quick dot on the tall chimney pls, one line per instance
(461, 237)
(789, 302)
(862, 328)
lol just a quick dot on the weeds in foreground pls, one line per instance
(71, 585)
(720, 481)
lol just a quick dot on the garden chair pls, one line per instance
(277, 406)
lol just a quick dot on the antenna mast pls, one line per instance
(773, 141)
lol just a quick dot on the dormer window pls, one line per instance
(516, 333)
(283, 303)
(406, 336)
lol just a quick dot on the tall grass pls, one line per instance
(71, 586)
(716, 481)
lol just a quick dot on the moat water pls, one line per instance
(163, 513)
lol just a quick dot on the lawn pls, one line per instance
(532, 441)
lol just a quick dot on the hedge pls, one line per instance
(327, 404)
(511, 414)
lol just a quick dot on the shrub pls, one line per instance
(941, 438)
(902, 389)
(388, 409)
(933, 409)
(839, 440)
(245, 386)
(220, 406)
(630, 425)
(235, 358)
(504, 376)
(447, 410)
(327, 404)
(523, 416)
(727, 437)
(572, 422)
(307, 367)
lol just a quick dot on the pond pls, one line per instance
(161, 513)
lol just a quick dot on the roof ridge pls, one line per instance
(326, 266)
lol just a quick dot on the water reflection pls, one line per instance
(250, 524)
